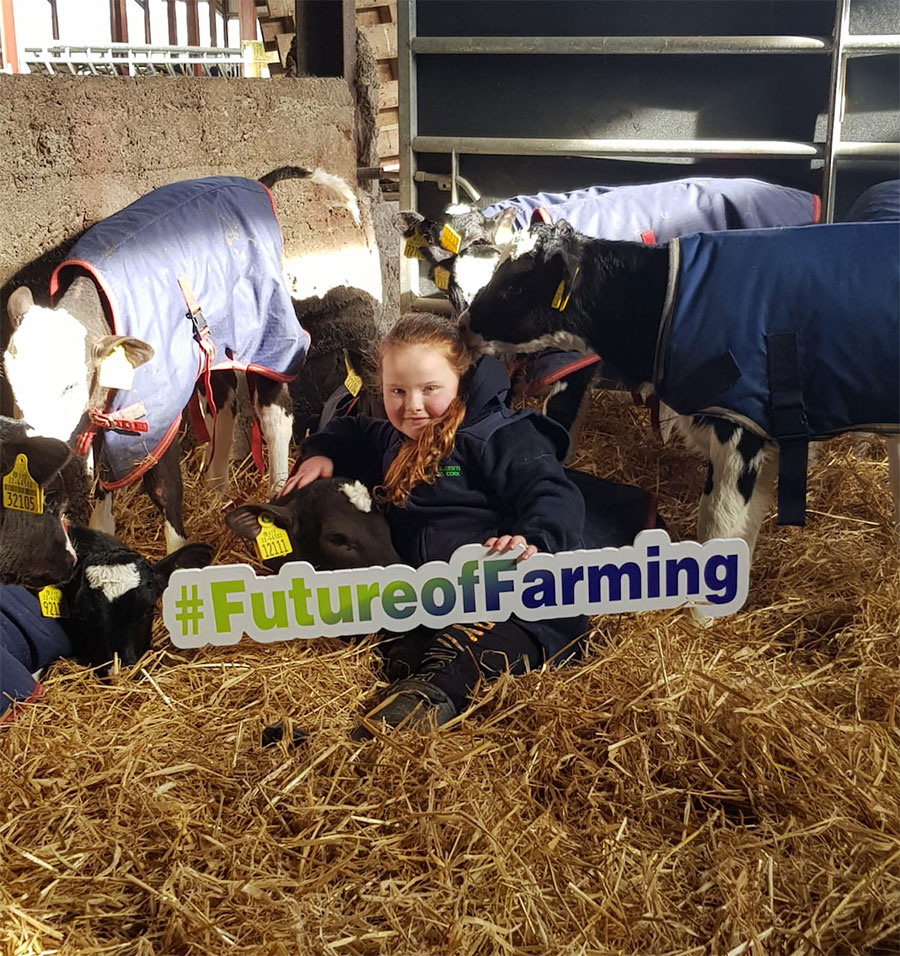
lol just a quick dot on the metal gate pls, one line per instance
(502, 97)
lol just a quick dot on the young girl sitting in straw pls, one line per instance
(454, 466)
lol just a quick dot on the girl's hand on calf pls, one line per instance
(508, 542)
(311, 469)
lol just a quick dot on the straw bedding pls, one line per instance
(726, 790)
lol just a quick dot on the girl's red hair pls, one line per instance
(419, 458)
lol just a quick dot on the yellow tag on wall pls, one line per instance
(441, 278)
(450, 238)
(272, 541)
(20, 491)
(412, 246)
(50, 599)
(353, 383)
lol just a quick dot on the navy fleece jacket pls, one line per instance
(504, 476)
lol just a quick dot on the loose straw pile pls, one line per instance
(683, 791)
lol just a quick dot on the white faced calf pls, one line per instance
(183, 286)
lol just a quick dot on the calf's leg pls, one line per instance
(163, 484)
(739, 485)
(272, 408)
(218, 452)
(102, 518)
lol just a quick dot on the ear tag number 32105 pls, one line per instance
(20, 491)
(272, 541)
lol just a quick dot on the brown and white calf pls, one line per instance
(196, 268)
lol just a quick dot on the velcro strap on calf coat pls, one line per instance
(836, 288)
(222, 235)
(667, 210)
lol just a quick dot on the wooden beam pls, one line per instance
(212, 22)
(118, 21)
(10, 56)
(173, 23)
(193, 23)
(247, 17)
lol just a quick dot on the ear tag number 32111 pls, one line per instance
(20, 491)
(272, 541)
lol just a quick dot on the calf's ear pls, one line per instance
(136, 351)
(18, 303)
(244, 521)
(190, 556)
(500, 229)
(406, 222)
(45, 457)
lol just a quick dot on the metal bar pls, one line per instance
(863, 44)
(54, 19)
(605, 46)
(409, 122)
(850, 150)
(835, 106)
(497, 146)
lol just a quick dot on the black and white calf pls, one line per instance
(110, 601)
(331, 523)
(760, 340)
(183, 286)
(35, 549)
(465, 245)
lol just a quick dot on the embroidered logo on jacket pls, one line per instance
(449, 471)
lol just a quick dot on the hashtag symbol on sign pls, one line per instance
(189, 609)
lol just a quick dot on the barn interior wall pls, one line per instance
(76, 149)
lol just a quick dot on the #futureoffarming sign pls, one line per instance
(218, 605)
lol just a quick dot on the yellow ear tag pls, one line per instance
(412, 246)
(20, 491)
(50, 599)
(353, 383)
(441, 278)
(272, 541)
(450, 238)
(559, 302)
(116, 371)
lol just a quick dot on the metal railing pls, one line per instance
(114, 59)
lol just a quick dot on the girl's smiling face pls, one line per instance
(418, 383)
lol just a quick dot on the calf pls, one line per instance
(465, 245)
(110, 601)
(756, 332)
(331, 523)
(35, 549)
(183, 285)
(105, 609)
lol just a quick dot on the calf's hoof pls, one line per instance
(414, 704)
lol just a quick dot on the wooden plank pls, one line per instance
(388, 94)
(284, 41)
(281, 8)
(272, 28)
(382, 38)
(369, 4)
(388, 143)
(388, 119)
